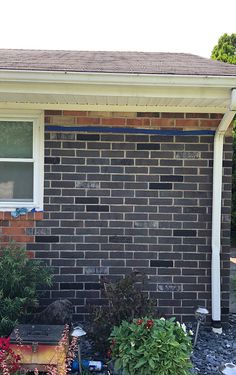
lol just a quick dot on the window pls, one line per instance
(21, 160)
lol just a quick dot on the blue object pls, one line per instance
(19, 211)
(34, 210)
(104, 129)
(93, 366)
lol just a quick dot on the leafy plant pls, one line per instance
(20, 279)
(146, 346)
(125, 302)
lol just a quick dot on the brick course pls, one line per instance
(119, 202)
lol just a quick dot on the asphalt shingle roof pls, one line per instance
(113, 62)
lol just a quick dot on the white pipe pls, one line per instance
(216, 213)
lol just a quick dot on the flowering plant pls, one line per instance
(151, 346)
(9, 361)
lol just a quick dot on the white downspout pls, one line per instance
(216, 213)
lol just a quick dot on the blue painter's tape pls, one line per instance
(101, 129)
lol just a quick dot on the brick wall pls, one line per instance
(20, 230)
(119, 202)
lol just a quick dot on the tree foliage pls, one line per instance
(225, 50)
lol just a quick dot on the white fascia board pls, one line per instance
(101, 89)
(110, 108)
(117, 78)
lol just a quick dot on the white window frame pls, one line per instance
(37, 118)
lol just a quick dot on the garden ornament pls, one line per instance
(200, 315)
(78, 332)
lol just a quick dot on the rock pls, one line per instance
(58, 312)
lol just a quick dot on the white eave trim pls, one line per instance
(117, 78)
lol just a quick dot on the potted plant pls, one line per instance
(151, 347)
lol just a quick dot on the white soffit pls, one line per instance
(132, 93)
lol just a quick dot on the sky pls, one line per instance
(189, 26)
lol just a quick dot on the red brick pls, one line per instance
(210, 123)
(24, 217)
(163, 122)
(75, 113)
(24, 239)
(146, 122)
(22, 224)
(113, 121)
(88, 120)
(29, 216)
(188, 123)
(13, 231)
(31, 254)
(1, 215)
(38, 216)
(134, 121)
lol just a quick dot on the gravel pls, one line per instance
(211, 351)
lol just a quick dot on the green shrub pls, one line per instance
(126, 301)
(20, 279)
(146, 346)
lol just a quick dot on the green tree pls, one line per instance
(225, 50)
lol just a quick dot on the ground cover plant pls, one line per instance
(151, 346)
(20, 281)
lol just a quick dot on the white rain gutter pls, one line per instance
(216, 212)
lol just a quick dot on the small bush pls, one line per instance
(146, 346)
(126, 301)
(20, 279)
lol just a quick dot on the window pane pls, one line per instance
(16, 181)
(16, 139)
